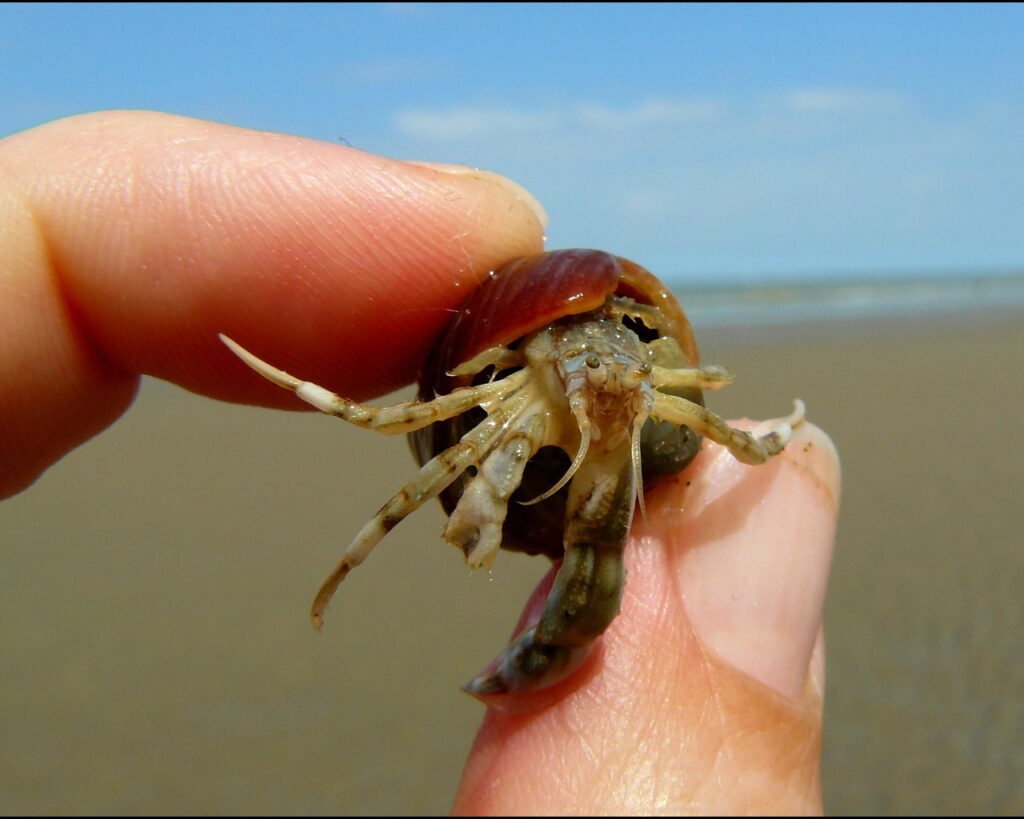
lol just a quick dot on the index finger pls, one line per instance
(130, 239)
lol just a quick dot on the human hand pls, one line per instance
(131, 239)
(707, 694)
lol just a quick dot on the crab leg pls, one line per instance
(498, 357)
(588, 586)
(705, 378)
(475, 524)
(744, 446)
(393, 420)
(433, 477)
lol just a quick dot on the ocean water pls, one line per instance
(848, 299)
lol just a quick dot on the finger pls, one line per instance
(667, 723)
(753, 565)
(130, 239)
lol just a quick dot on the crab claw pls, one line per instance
(586, 591)
(526, 665)
(525, 677)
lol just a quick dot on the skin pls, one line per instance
(130, 239)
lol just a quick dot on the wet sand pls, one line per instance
(156, 654)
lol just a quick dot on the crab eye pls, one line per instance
(592, 361)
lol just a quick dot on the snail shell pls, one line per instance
(519, 298)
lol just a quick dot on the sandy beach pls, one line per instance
(154, 587)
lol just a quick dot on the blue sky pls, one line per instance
(705, 142)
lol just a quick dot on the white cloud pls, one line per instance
(803, 178)
(471, 122)
(468, 122)
(403, 11)
(648, 113)
(665, 114)
(377, 72)
(840, 100)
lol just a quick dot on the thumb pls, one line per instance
(707, 695)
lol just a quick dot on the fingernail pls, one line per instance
(757, 545)
(518, 191)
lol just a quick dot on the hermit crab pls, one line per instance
(566, 382)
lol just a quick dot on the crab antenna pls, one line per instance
(638, 474)
(581, 453)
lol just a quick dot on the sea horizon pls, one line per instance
(789, 301)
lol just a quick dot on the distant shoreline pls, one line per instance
(816, 301)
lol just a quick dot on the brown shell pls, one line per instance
(522, 296)
(529, 293)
